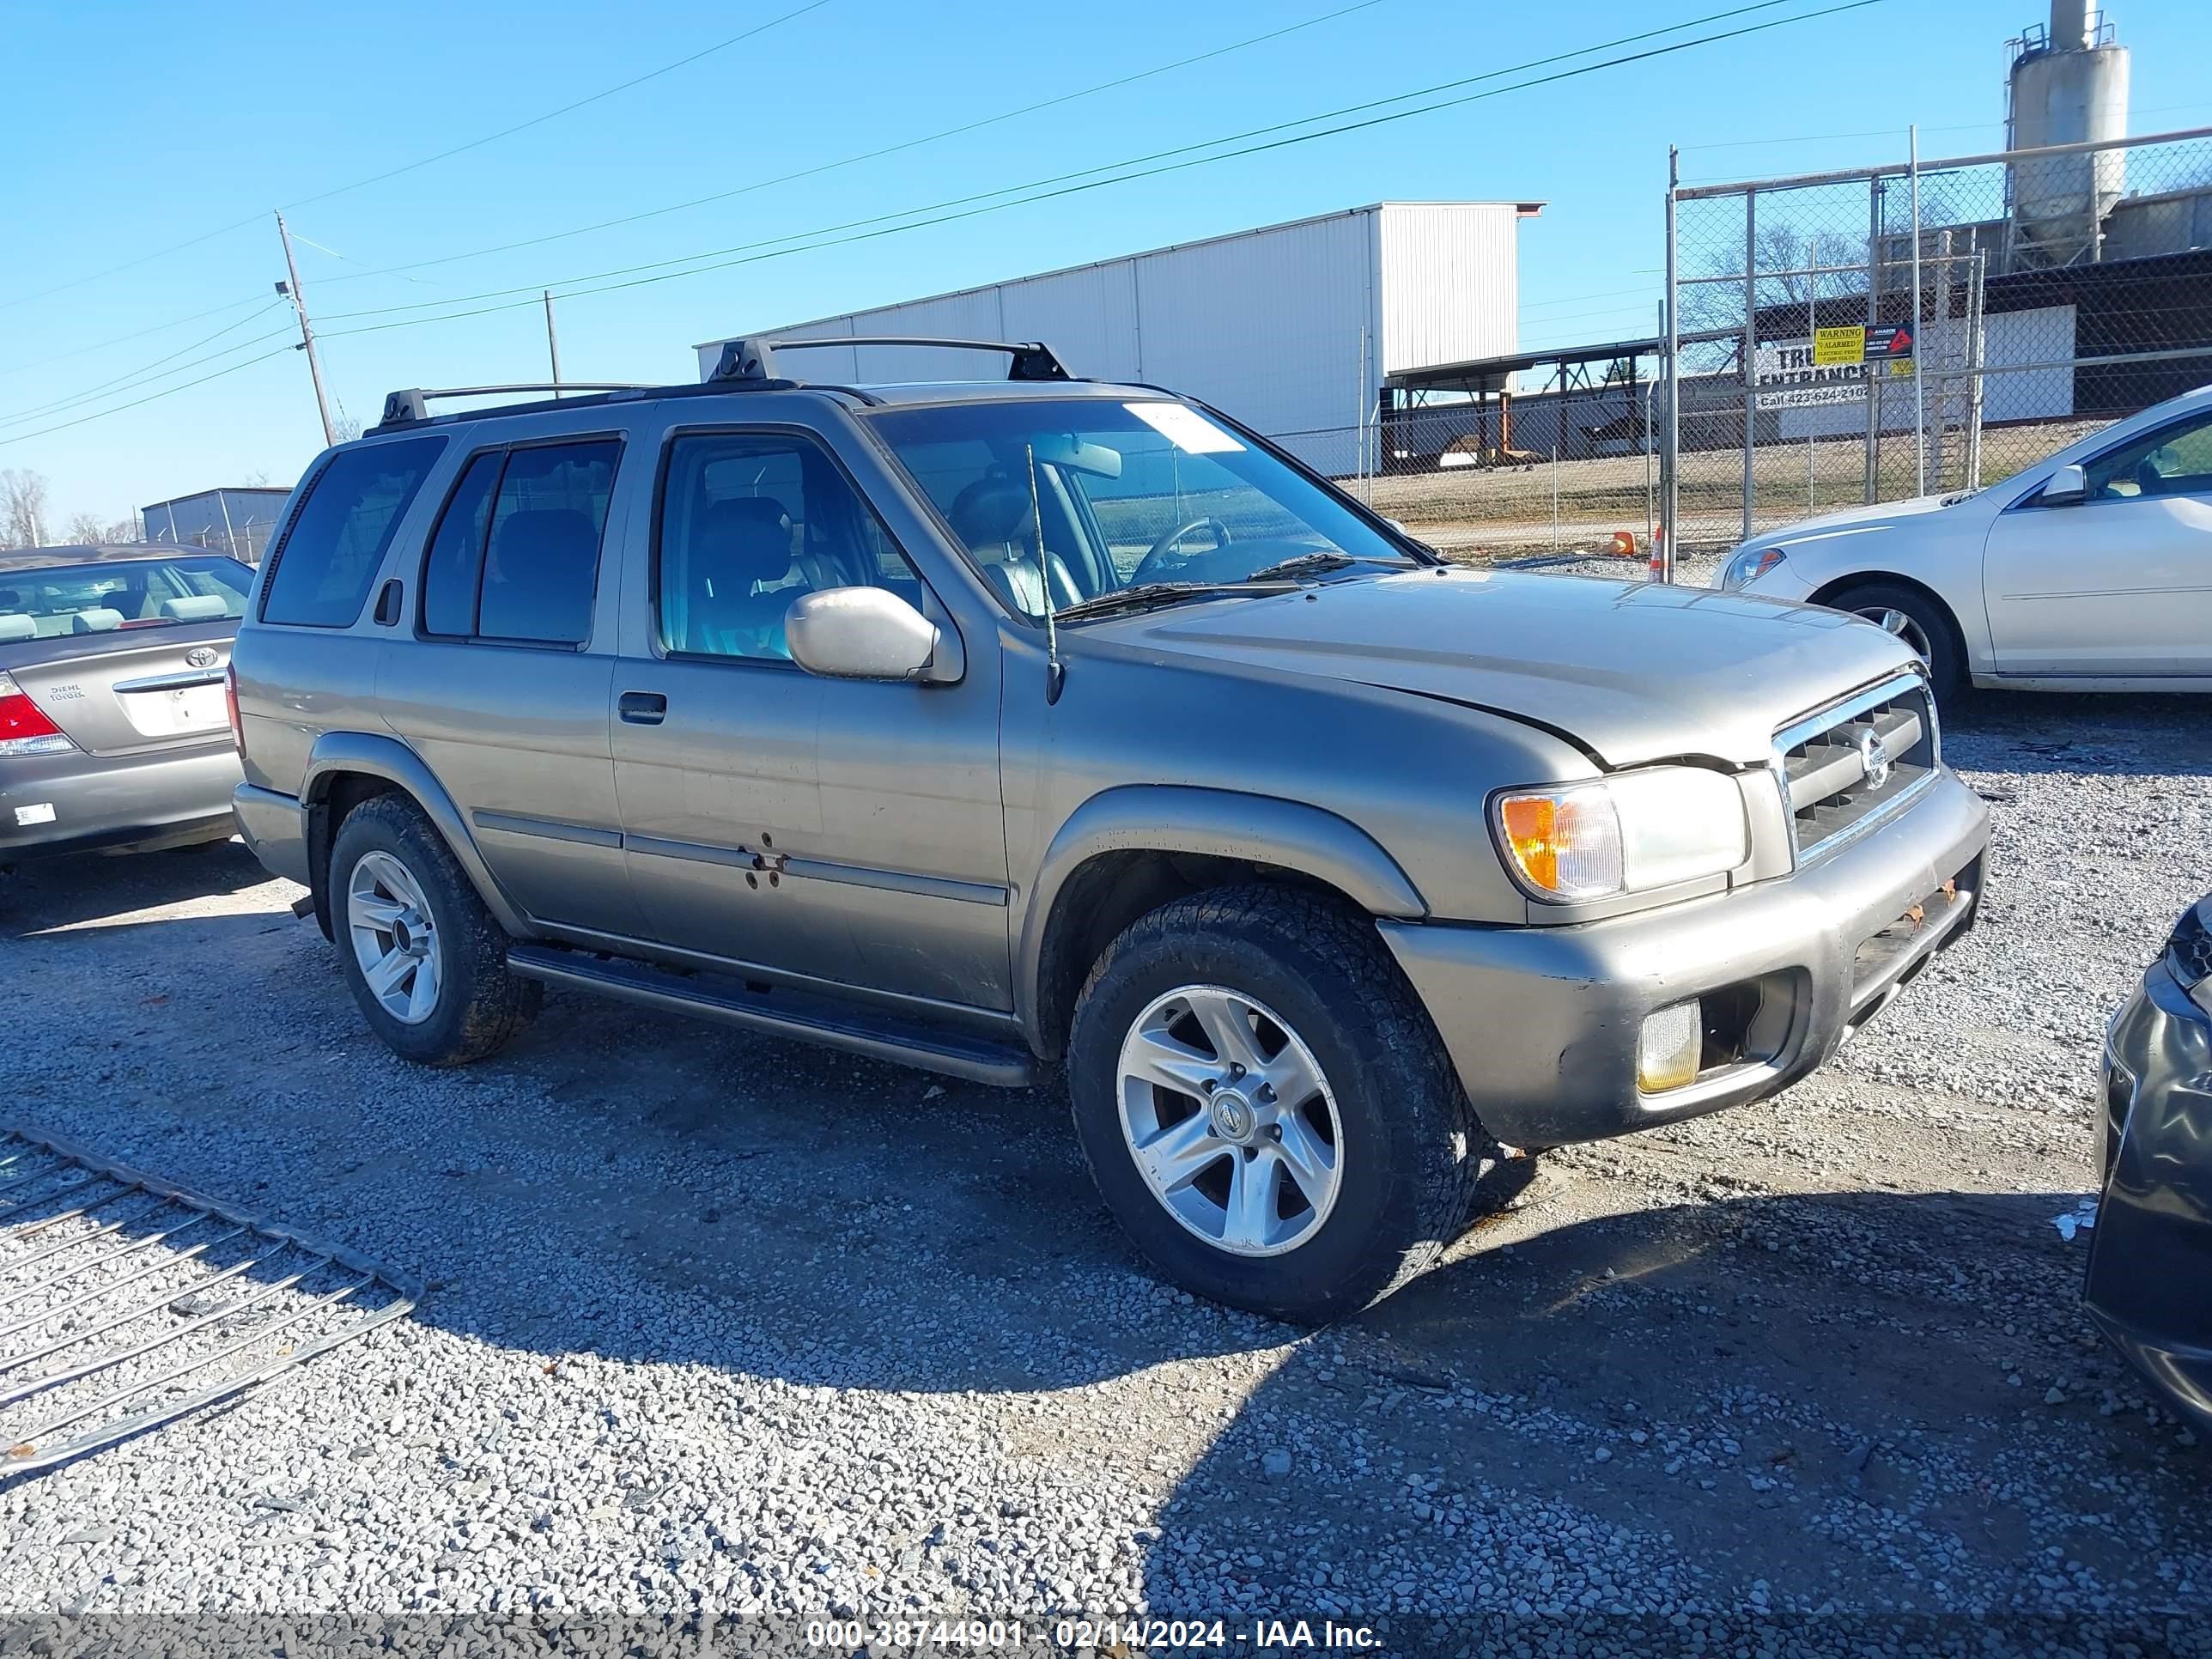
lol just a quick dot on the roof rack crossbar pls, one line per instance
(753, 360)
(410, 403)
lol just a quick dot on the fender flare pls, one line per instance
(1219, 823)
(394, 762)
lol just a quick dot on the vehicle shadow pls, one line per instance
(1824, 1384)
(45, 894)
(1759, 1403)
(2034, 732)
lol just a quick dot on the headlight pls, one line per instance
(1631, 833)
(1749, 564)
(2188, 952)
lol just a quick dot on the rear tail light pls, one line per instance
(24, 727)
(230, 708)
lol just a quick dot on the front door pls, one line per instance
(2118, 582)
(504, 690)
(839, 830)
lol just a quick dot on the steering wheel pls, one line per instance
(1154, 566)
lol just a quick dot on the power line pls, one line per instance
(146, 370)
(565, 109)
(867, 155)
(570, 283)
(100, 415)
(139, 334)
(393, 173)
(1095, 184)
(1027, 109)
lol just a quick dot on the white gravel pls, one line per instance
(720, 1325)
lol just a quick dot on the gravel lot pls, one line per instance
(718, 1322)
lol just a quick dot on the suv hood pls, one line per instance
(1632, 672)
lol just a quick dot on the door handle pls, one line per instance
(642, 707)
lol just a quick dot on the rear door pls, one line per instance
(2117, 583)
(503, 689)
(125, 655)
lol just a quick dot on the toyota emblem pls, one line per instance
(202, 656)
(1873, 753)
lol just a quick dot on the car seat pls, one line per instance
(736, 547)
(995, 519)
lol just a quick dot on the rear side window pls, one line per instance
(339, 536)
(516, 554)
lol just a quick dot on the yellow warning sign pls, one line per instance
(1839, 345)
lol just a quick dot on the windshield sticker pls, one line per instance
(1186, 428)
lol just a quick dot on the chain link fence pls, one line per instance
(247, 539)
(1923, 328)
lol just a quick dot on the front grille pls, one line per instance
(1850, 764)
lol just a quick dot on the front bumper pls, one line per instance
(2150, 1280)
(76, 803)
(1541, 1023)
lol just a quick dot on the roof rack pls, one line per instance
(404, 407)
(754, 359)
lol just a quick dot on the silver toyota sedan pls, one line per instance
(114, 730)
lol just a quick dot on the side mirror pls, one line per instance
(869, 634)
(2068, 486)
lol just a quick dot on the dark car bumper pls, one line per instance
(78, 803)
(1542, 1023)
(2150, 1285)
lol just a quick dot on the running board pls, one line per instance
(849, 1026)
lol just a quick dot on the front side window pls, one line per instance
(748, 523)
(2175, 460)
(340, 534)
(516, 554)
(1092, 495)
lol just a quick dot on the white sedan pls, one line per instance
(2090, 571)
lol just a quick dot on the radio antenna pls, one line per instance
(1055, 671)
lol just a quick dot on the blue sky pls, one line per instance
(132, 127)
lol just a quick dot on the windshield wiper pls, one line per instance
(1318, 563)
(1151, 593)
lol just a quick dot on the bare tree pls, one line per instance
(88, 529)
(23, 507)
(124, 532)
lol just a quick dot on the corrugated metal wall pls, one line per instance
(1286, 327)
(1451, 282)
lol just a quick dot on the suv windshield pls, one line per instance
(1118, 495)
(45, 600)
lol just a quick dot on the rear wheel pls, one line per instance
(1915, 617)
(1266, 1106)
(424, 958)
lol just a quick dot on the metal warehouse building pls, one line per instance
(237, 520)
(1291, 328)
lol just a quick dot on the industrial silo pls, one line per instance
(2069, 85)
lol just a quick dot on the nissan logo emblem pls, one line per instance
(1874, 754)
(202, 656)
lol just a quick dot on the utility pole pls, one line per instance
(291, 291)
(552, 343)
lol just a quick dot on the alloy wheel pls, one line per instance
(1230, 1120)
(395, 938)
(1893, 621)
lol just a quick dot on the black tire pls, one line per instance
(479, 1004)
(1928, 616)
(1411, 1146)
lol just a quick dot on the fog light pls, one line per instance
(1668, 1050)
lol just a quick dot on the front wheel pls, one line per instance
(1920, 621)
(1266, 1106)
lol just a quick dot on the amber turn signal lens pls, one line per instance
(1531, 824)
